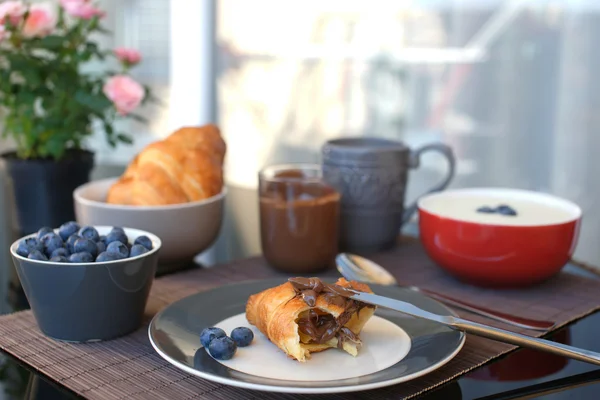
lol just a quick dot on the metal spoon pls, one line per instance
(354, 267)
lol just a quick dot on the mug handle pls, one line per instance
(414, 162)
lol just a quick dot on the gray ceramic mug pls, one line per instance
(371, 174)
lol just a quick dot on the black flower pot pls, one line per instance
(43, 188)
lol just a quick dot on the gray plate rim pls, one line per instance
(274, 387)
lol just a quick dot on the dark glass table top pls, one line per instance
(521, 374)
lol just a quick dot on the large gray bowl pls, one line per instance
(185, 229)
(85, 302)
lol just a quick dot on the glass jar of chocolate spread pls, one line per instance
(299, 218)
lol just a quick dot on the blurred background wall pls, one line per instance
(512, 86)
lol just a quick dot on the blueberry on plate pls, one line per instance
(84, 245)
(209, 334)
(506, 210)
(42, 231)
(144, 241)
(137, 250)
(28, 245)
(222, 348)
(60, 252)
(118, 228)
(106, 256)
(486, 210)
(116, 236)
(59, 259)
(118, 248)
(242, 336)
(89, 232)
(101, 246)
(71, 241)
(51, 242)
(102, 239)
(81, 257)
(67, 229)
(37, 255)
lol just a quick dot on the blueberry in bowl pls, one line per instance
(82, 289)
(67, 229)
(118, 248)
(506, 210)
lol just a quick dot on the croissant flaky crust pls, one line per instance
(186, 166)
(279, 313)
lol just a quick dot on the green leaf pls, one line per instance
(124, 138)
(96, 102)
(52, 42)
(56, 145)
(17, 62)
(32, 77)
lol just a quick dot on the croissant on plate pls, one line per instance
(186, 166)
(305, 315)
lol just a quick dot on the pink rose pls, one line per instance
(82, 9)
(128, 56)
(40, 21)
(13, 10)
(124, 92)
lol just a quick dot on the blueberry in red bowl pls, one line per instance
(504, 209)
(78, 294)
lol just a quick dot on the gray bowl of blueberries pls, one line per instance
(87, 283)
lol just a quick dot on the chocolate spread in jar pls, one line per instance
(299, 223)
(318, 325)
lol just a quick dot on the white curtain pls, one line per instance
(512, 86)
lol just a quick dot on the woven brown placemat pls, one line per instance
(129, 367)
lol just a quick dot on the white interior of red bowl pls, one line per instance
(532, 208)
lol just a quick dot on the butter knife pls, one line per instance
(361, 269)
(478, 329)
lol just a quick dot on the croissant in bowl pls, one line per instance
(186, 166)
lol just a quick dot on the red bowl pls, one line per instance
(491, 249)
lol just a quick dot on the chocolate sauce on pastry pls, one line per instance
(321, 327)
(310, 288)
